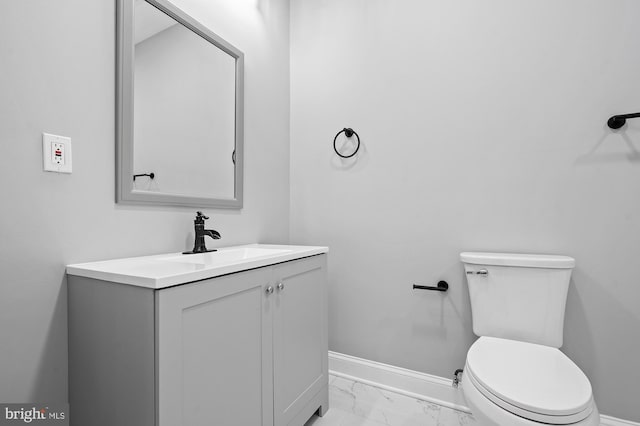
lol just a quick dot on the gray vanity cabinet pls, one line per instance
(300, 340)
(245, 349)
(212, 338)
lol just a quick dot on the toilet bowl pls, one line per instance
(507, 382)
(515, 373)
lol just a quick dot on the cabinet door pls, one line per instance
(214, 352)
(300, 336)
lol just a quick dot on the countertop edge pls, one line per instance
(89, 270)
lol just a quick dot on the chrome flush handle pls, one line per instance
(482, 272)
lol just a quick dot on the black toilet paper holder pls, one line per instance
(441, 286)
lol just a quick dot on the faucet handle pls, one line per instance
(200, 218)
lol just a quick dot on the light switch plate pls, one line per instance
(56, 153)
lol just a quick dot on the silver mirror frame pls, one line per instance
(125, 191)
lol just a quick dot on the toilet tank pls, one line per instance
(518, 296)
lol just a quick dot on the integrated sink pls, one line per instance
(165, 270)
(225, 256)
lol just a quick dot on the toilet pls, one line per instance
(514, 374)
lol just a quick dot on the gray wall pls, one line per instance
(483, 128)
(57, 76)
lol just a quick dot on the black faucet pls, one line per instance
(198, 245)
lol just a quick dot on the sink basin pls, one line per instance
(223, 256)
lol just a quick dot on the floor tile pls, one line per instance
(356, 404)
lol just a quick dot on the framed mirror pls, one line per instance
(179, 120)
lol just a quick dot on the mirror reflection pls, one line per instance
(184, 109)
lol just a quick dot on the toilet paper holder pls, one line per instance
(442, 286)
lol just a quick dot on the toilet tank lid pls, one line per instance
(518, 259)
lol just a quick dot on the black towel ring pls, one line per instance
(348, 132)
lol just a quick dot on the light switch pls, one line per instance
(56, 153)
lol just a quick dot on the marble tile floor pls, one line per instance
(356, 404)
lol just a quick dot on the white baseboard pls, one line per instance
(612, 421)
(414, 384)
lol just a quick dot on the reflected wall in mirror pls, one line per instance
(180, 109)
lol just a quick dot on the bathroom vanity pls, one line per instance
(233, 337)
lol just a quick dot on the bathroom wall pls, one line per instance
(58, 76)
(483, 128)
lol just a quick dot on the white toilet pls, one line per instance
(515, 375)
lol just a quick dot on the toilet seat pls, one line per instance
(532, 381)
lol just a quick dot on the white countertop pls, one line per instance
(165, 270)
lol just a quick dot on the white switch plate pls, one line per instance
(56, 153)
